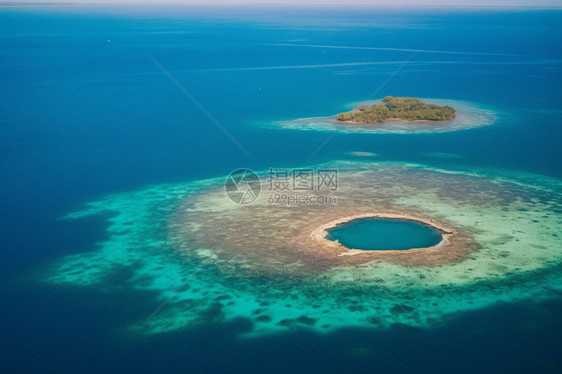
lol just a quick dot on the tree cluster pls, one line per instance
(398, 108)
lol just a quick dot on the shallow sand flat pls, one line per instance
(213, 260)
(469, 115)
(361, 154)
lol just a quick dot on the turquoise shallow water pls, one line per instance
(87, 116)
(384, 234)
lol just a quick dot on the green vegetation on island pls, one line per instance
(398, 108)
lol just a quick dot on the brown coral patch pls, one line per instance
(263, 238)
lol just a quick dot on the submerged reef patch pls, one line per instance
(209, 259)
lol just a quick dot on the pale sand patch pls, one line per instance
(363, 154)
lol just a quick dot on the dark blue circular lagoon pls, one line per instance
(379, 234)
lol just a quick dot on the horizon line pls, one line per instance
(25, 3)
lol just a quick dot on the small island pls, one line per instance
(398, 109)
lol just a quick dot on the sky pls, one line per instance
(554, 3)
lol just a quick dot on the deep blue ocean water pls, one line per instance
(86, 112)
(384, 234)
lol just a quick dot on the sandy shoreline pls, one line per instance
(468, 115)
(394, 120)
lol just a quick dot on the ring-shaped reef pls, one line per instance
(209, 259)
(469, 115)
